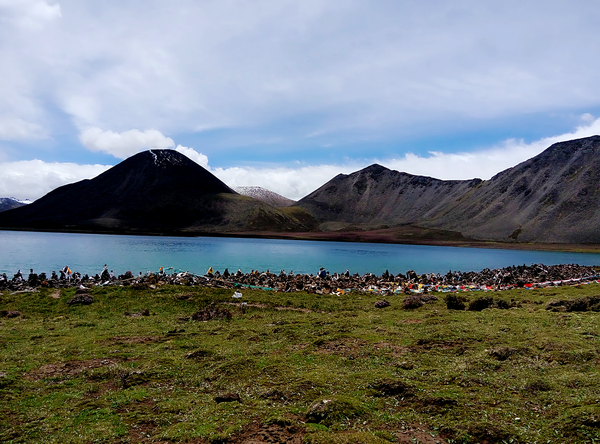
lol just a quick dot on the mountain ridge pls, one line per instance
(552, 197)
(153, 191)
(8, 203)
(264, 195)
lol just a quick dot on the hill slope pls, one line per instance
(153, 191)
(267, 196)
(376, 196)
(553, 197)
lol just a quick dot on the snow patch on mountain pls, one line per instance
(264, 195)
(8, 203)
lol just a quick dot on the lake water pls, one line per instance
(87, 253)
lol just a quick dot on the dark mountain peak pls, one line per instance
(374, 171)
(375, 168)
(551, 197)
(152, 191)
(570, 155)
(165, 158)
(154, 170)
(568, 148)
(582, 142)
(160, 158)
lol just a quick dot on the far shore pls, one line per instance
(390, 236)
(407, 235)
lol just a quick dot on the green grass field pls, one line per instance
(307, 369)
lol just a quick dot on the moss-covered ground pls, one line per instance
(307, 368)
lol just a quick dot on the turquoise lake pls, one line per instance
(87, 253)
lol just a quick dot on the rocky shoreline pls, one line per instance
(522, 276)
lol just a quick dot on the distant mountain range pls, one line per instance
(267, 196)
(8, 203)
(377, 197)
(551, 198)
(156, 191)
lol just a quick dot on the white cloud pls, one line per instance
(125, 144)
(486, 163)
(296, 183)
(31, 179)
(29, 14)
(293, 183)
(16, 129)
(197, 157)
(371, 67)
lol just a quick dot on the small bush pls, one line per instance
(83, 299)
(417, 300)
(412, 302)
(480, 304)
(455, 302)
(382, 304)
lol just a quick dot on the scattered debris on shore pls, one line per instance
(522, 276)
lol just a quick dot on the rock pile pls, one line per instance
(522, 276)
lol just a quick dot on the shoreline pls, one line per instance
(522, 276)
(408, 235)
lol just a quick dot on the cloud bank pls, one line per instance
(332, 68)
(32, 179)
(125, 144)
(296, 183)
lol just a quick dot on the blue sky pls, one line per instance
(287, 94)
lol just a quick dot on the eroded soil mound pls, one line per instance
(67, 369)
(257, 433)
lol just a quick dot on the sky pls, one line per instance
(288, 94)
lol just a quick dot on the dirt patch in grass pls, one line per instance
(428, 344)
(97, 390)
(139, 416)
(67, 369)
(277, 307)
(394, 350)
(257, 433)
(419, 434)
(389, 387)
(133, 339)
(211, 312)
(349, 347)
(412, 321)
(142, 432)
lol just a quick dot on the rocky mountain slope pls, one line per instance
(154, 191)
(376, 196)
(267, 196)
(553, 197)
